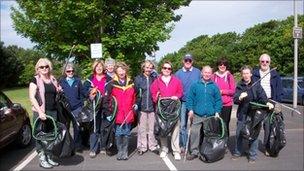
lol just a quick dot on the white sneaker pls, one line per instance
(177, 156)
(163, 154)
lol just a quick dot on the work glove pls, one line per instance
(217, 115)
(243, 95)
(270, 105)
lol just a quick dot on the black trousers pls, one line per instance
(226, 115)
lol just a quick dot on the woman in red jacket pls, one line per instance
(122, 88)
(168, 86)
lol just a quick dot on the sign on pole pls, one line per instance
(96, 50)
(297, 33)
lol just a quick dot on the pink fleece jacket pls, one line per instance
(226, 84)
(159, 88)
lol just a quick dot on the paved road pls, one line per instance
(290, 158)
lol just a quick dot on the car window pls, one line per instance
(287, 83)
(4, 101)
(301, 84)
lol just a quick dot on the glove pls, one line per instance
(270, 105)
(243, 95)
(109, 118)
(135, 107)
(190, 115)
(217, 115)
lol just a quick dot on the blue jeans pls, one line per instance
(125, 130)
(183, 126)
(253, 144)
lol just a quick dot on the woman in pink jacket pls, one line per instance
(168, 86)
(226, 83)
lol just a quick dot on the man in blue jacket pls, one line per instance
(188, 75)
(203, 100)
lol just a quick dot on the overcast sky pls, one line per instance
(200, 17)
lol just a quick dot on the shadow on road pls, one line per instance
(12, 155)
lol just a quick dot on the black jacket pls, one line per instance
(144, 97)
(255, 94)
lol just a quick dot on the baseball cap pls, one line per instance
(188, 56)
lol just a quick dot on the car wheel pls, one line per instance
(25, 135)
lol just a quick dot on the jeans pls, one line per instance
(125, 130)
(253, 144)
(183, 126)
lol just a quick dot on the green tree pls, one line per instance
(127, 28)
(272, 37)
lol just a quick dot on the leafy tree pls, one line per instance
(272, 37)
(127, 28)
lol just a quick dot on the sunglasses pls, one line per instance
(265, 62)
(188, 60)
(167, 68)
(44, 67)
(69, 71)
(222, 64)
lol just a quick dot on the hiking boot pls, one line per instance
(191, 156)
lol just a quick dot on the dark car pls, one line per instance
(15, 123)
(288, 89)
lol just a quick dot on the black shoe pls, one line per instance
(79, 150)
(191, 156)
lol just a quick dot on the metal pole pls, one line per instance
(295, 80)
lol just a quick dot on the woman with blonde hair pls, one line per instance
(42, 92)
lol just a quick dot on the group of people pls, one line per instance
(202, 94)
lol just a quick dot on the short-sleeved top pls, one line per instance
(49, 94)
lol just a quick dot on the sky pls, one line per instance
(199, 18)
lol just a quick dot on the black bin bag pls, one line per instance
(276, 138)
(253, 123)
(214, 144)
(167, 115)
(54, 137)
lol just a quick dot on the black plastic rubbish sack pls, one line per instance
(253, 123)
(167, 115)
(54, 137)
(277, 138)
(214, 144)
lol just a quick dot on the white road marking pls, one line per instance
(26, 161)
(169, 163)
